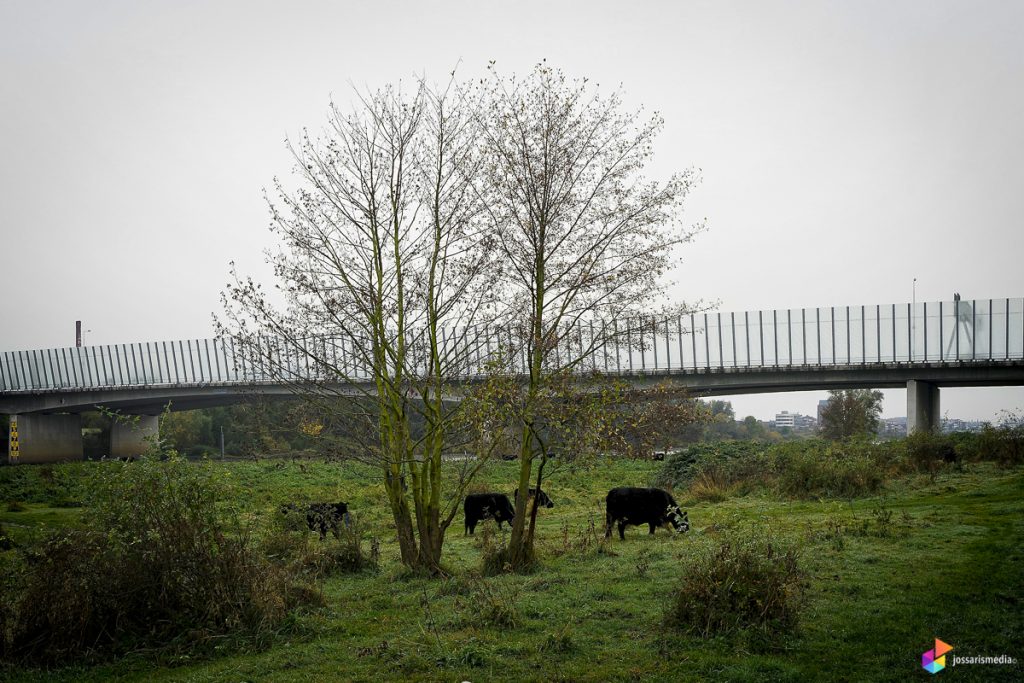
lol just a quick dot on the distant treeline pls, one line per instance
(275, 427)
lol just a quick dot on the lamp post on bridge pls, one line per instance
(79, 332)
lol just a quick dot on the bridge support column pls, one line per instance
(922, 407)
(44, 438)
(129, 440)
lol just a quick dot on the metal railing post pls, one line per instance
(760, 333)
(693, 338)
(707, 342)
(732, 321)
(878, 329)
(746, 331)
(775, 336)
(849, 360)
(803, 331)
(924, 327)
(832, 320)
(721, 353)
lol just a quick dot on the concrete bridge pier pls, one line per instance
(131, 439)
(922, 407)
(44, 438)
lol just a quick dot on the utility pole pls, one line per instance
(222, 442)
(78, 333)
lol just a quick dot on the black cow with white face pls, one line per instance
(637, 506)
(479, 506)
(542, 499)
(320, 517)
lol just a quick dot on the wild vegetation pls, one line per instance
(869, 578)
(159, 559)
(818, 468)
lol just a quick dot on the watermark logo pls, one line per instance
(934, 661)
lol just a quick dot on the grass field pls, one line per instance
(931, 557)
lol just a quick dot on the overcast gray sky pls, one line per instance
(846, 147)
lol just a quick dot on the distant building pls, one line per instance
(806, 423)
(794, 421)
(821, 406)
(893, 426)
(785, 419)
(897, 426)
(952, 424)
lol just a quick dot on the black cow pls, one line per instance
(542, 501)
(321, 517)
(494, 506)
(636, 506)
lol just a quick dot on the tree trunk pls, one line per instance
(519, 552)
(431, 543)
(536, 498)
(403, 518)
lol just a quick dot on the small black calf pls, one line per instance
(542, 500)
(321, 517)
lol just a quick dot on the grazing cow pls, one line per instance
(636, 506)
(480, 506)
(321, 517)
(542, 500)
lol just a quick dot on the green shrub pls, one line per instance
(929, 452)
(712, 485)
(290, 545)
(160, 563)
(816, 469)
(1003, 445)
(726, 462)
(745, 583)
(40, 484)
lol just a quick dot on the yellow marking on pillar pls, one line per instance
(13, 448)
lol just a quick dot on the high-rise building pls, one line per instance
(821, 406)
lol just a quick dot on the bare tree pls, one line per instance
(585, 239)
(381, 277)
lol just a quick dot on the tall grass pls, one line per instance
(745, 582)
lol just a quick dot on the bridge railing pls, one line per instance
(927, 332)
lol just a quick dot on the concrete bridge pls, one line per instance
(922, 346)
